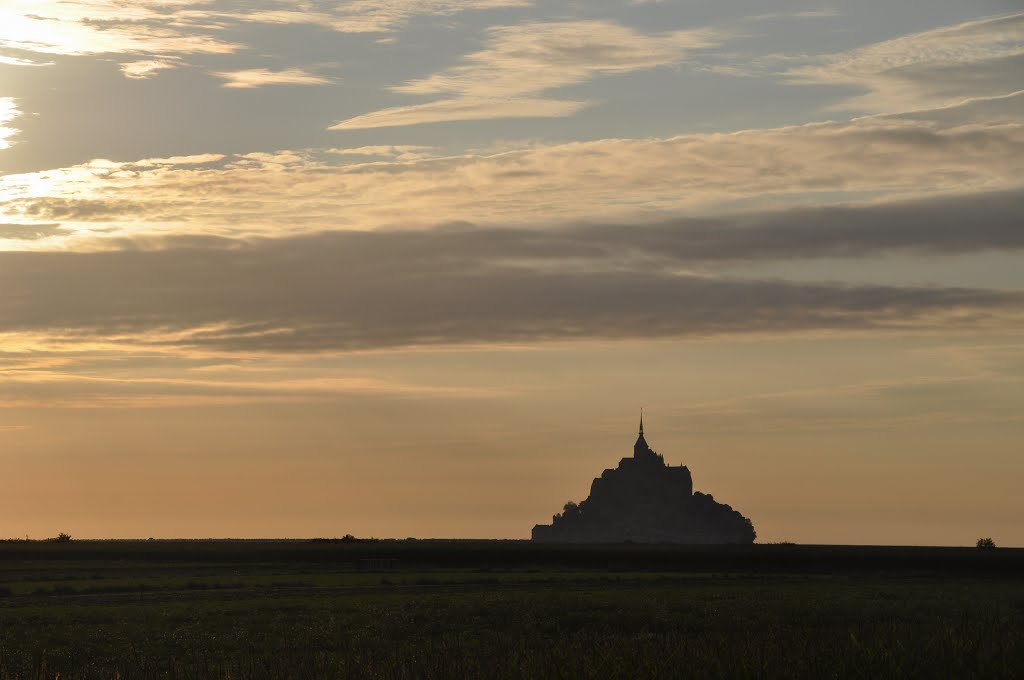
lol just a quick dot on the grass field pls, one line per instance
(155, 609)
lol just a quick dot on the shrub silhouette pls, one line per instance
(986, 544)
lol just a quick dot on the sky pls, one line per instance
(411, 268)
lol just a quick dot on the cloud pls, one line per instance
(195, 159)
(8, 112)
(936, 226)
(162, 31)
(16, 61)
(260, 77)
(462, 109)
(522, 61)
(161, 34)
(367, 290)
(28, 232)
(931, 69)
(147, 68)
(75, 387)
(400, 152)
(610, 179)
(555, 55)
(1002, 109)
(371, 16)
(77, 27)
(823, 13)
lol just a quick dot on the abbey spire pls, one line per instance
(641, 446)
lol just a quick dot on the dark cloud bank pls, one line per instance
(353, 290)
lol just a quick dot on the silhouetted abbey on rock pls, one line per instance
(646, 501)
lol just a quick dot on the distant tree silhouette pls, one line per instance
(61, 538)
(986, 544)
(750, 527)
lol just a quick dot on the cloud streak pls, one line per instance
(261, 77)
(147, 68)
(447, 110)
(67, 388)
(164, 32)
(359, 290)
(520, 62)
(28, 232)
(371, 16)
(78, 27)
(8, 112)
(931, 69)
(628, 179)
(936, 226)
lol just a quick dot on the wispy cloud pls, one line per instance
(76, 27)
(358, 290)
(16, 61)
(931, 69)
(822, 13)
(163, 33)
(28, 232)
(401, 152)
(147, 68)
(8, 112)
(523, 61)
(463, 109)
(261, 77)
(371, 16)
(195, 159)
(637, 179)
(78, 386)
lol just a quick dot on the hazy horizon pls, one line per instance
(412, 267)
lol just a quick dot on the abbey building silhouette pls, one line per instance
(644, 500)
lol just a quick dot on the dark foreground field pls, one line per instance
(157, 609)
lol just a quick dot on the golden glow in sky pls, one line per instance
(411, 267)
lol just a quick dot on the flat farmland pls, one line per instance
(505, 609)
